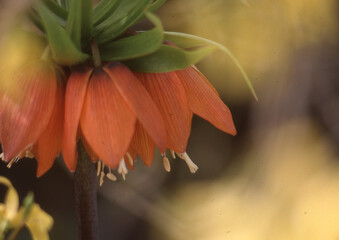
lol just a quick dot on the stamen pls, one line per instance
(166, 163)
(191, 165)
(29, 154)
(102, 175)
(173, 154)
(130, 159)
(14, 160)
(2, 156)
(122, 168)
(111, 176)
(98, 168)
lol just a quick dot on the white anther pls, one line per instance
(130, 159)
(122, 168)
(2, 156)
(166, 163)
(173, 154)
(111, 176)
(98, 168)
(191, 165)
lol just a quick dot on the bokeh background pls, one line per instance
(277, 179)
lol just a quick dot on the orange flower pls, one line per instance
(31, 112)
(178, 95)
(105, 103)
(116, 113)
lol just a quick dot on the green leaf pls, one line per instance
(56, 9)
(168, 59)
(126, 15)
(79, 22)
(63, 50)
(86, 20)
(186, 41)
(155, 5)
(36, 20)
(104, 9)
(135, 46)
(65, 3)
(73, 26)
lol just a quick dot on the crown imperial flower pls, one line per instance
(142, 96)
(90, 84)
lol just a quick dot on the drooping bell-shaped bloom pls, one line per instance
(178, 95)
(31, 114)
(102, 106)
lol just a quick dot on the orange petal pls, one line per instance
(27, 110)
(136, 95)
(74, 99)
(143, 144)
(107, 121)
(48, 145)
(89, 150)
(169, 95)
(203, 100)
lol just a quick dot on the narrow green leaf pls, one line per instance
(186, 40)
(65, 3)
(86, 20)
(104, 9)
(168, 59)
(135, 46)
(57, 14)
(126, 15)
(36, 20)
(56, 9)
(79, 22)
(63, 50)
(156, 5)
(73, 26)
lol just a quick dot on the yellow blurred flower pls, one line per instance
(13, 218)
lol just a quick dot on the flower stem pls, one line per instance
(86, 196)
(95, 53)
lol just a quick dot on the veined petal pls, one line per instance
(143, 144)
(74, 99)
(169, 95)
(136, 95)
(204, 101)
(107, 121)
(48, 145)
(89, 150)
(27, 110)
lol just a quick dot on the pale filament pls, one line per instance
(191, 165)
(122, 168)
(129, 158)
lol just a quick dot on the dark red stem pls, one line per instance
(85, 184)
